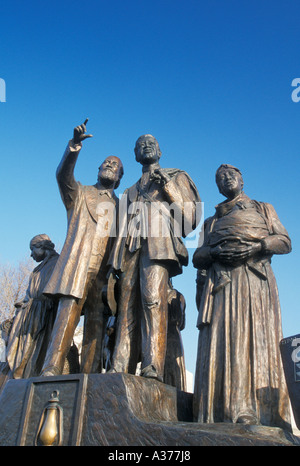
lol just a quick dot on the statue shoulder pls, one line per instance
(264, 207)
(208, 222)
(174, 172)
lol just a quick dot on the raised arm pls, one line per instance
(68, 186)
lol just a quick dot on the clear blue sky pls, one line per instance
(211, 80)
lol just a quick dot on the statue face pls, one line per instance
(146, 150)
(230, 183)
(110, 170)
(38, 254)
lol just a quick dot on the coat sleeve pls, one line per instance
(202, 258)
(278, 242)
(68, 186)
(186, 200)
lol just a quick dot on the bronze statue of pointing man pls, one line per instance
(79, 277)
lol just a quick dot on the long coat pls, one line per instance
(147, 213)
(239, 370)
(32, 325)
(85, 248)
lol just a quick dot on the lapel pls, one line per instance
(92, 199)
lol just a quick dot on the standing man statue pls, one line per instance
(239, 376)
(80, 273)
(161, 207)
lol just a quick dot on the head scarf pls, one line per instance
(41, 241)
(226, 166)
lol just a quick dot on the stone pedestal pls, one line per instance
(115, 410)
(290, 353)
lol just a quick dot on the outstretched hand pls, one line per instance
(79, 134)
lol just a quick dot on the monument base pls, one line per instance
(115, 410)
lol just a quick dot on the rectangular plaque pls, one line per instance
(290, 354)
(70, 391)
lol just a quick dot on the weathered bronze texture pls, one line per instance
(175, 370)
(120, 410)
(147, 252)
(239, 376)
(81, 270)
(290, 354)
(41, 420)
(32, 325)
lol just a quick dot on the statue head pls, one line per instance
(147, 150)
(229, 180)
(110, 172)
(40, 246)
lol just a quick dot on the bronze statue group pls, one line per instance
(116, 269)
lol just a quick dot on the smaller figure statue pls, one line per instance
(110, 301)
(175, 371)
(109, 342)
(33, 321)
